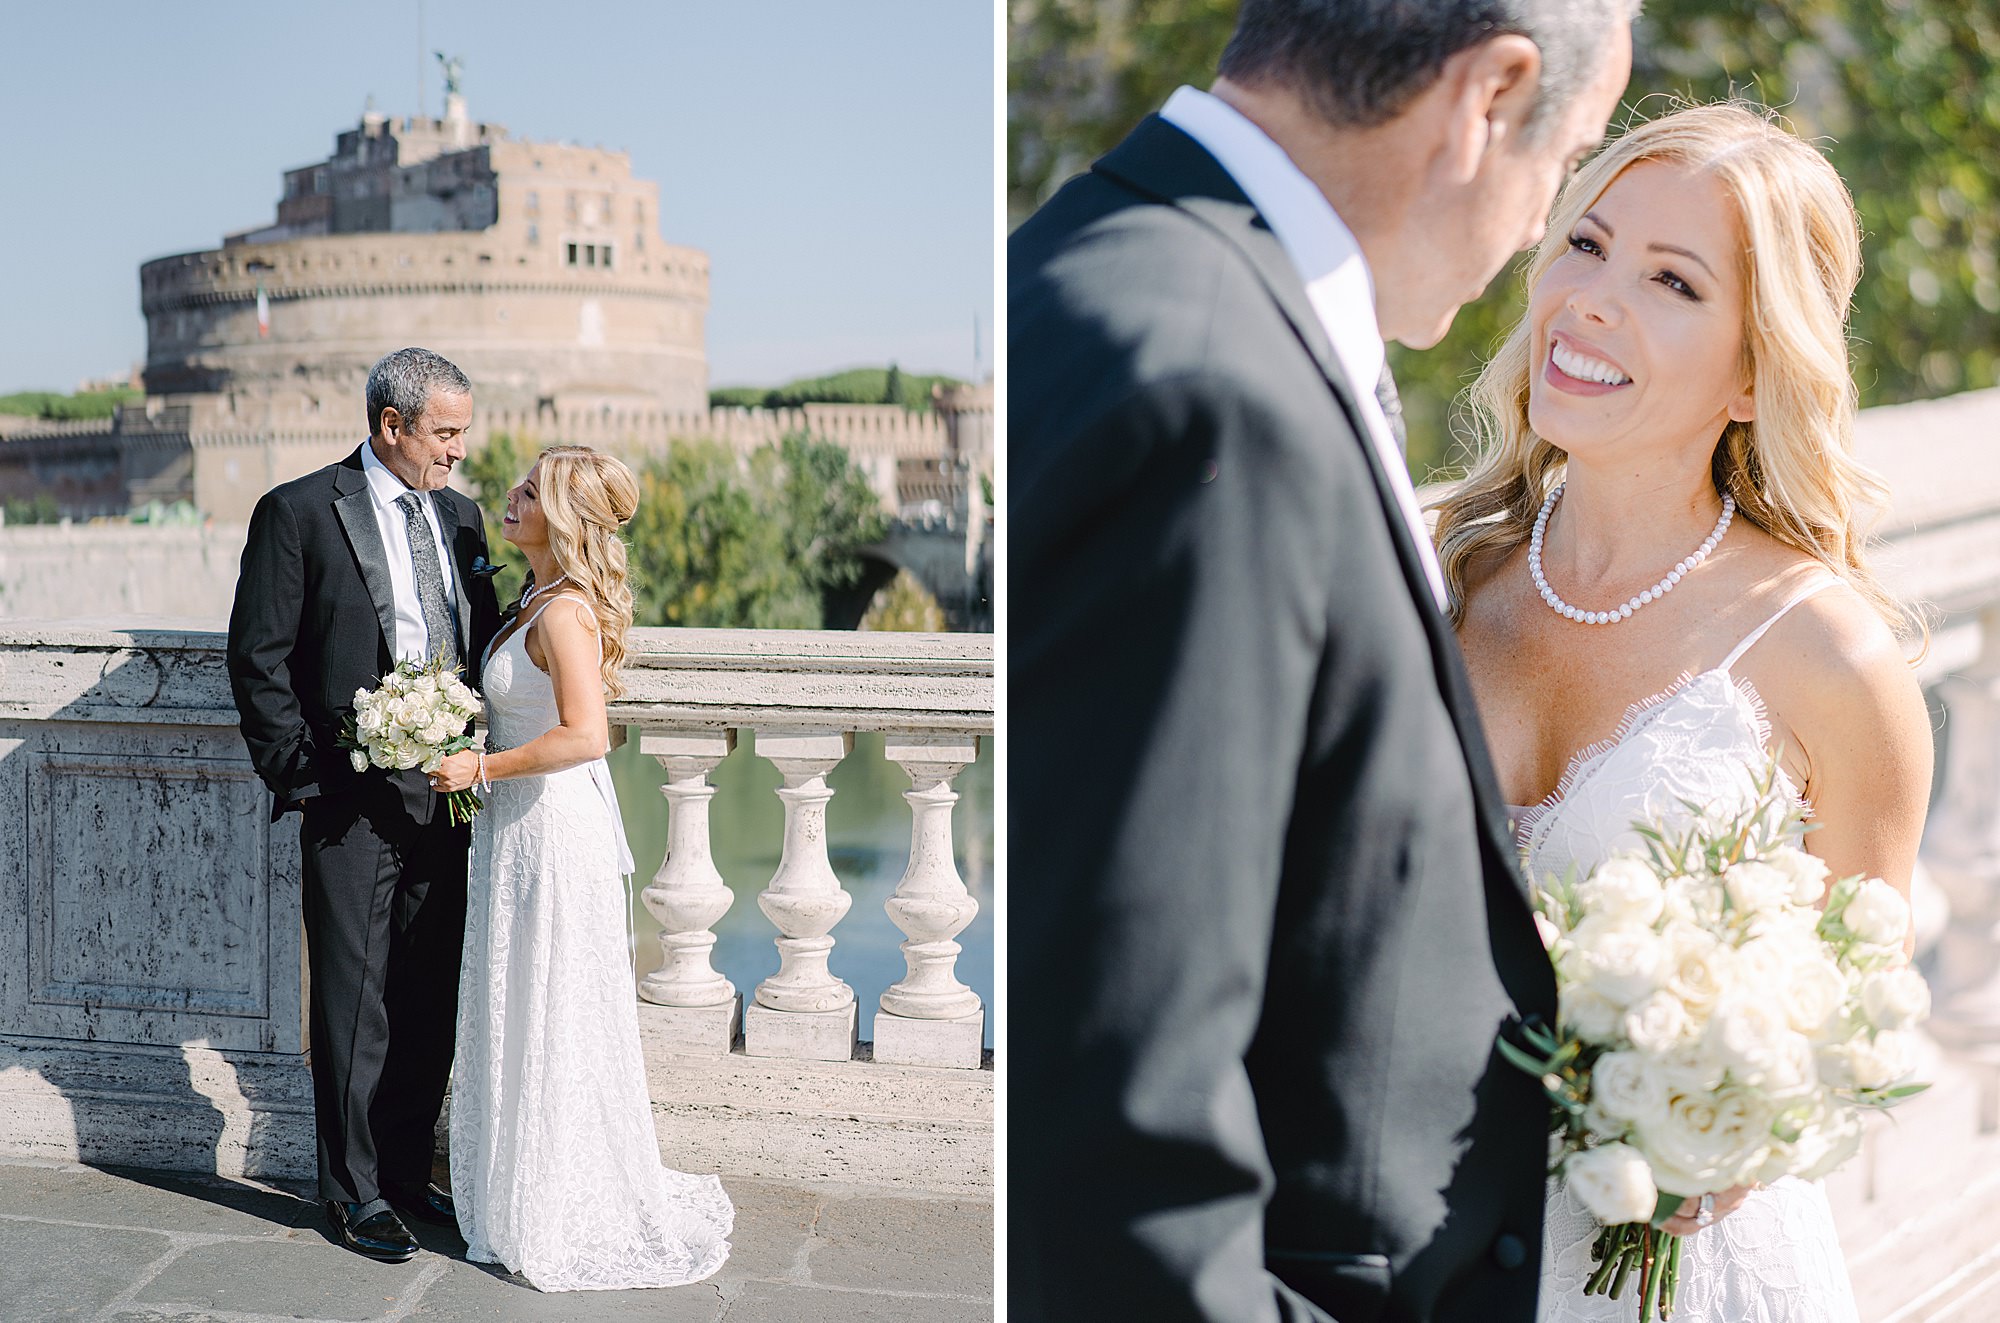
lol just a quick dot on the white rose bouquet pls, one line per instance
(1717, 1026)
(416, 718)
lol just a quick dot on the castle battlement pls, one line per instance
(537, 267)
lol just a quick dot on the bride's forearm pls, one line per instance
(558, 750)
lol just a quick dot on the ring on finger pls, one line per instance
(1706, 1214)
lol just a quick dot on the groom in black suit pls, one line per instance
(1267, 921)
(346, 571)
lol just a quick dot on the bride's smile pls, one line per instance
(1639, 323)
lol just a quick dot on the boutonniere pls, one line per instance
(482, 568)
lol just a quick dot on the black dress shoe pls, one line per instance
(382, 1236)
(427, 1205)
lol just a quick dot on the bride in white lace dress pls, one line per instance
(555, 1164)
(1659, 580)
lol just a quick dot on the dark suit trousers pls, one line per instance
(385, 926)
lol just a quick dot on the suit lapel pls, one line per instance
(357, 516)
(447, 517)
(1162, 162)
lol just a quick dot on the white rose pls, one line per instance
(1623, 890)
(368, 722)
(408, 755)
(1746, 1033)
(1813, 994)
(1826, 1148)
(1657, 1023)
(1689, 1067)
(441, 729)
(1688, 1146)
(1754, 887)
(1807, 872)
(1588, 1014)
(1794, 1071)
(1743, 1121)
(425, 686)
(1764, 964)
(1614, 1182)
(1884, 1062)
(358, 760)
(1702, 968)
(1696, 900)
(1895, 998)
(1628, 1086)
(1878, 913)
(1623, 963)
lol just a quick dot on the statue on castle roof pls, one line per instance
(454, 72)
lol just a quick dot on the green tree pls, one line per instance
(1904, 99)
(41, 508)
(890, 385)
(492, 470)
(904, 606)
(753, 541)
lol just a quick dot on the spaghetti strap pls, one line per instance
(559, 597)
(1811, 589)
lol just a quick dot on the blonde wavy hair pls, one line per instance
(1793, 471)
(586, 496)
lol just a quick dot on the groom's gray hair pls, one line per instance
(1358, 63)
(406, 380)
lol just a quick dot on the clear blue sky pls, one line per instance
(835, 160)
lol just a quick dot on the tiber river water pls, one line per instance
(868, 842)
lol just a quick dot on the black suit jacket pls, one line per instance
(1266, 919)
(314, 620)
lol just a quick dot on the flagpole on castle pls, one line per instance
(420, 59)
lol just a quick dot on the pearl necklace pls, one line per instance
(537, 591)
(1616, 613)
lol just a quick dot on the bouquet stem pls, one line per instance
(1654, 1255)
(463, 804)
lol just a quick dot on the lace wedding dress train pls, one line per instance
(1777, 1258)
(555, 1165)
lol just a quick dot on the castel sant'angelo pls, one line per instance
(537, 267)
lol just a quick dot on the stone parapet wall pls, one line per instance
(152, 986)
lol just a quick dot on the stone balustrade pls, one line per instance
(153, 987)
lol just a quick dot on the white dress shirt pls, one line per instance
(1328, 260)
(384, 487)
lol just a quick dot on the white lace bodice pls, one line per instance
(520, 699)
(1704, 740)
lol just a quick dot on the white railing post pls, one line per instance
(929, 1018)
(803, 1011)
(1962, 854)
(701, 1010)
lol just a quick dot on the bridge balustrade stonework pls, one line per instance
(153, 986)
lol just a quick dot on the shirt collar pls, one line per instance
(383, 484)
(1322, 249)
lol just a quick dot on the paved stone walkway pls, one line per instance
(89, 1244)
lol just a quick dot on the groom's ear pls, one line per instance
(392, 424)
(1488, 94)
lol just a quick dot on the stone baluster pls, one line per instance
(803, 1011)
(929, 1018)
(700, 1010)
(1962, 853)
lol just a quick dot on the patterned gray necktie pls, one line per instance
(430, 580)
(1392, 407)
